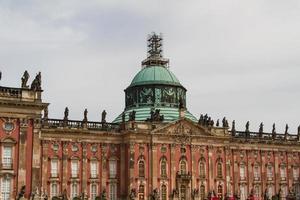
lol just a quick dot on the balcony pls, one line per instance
(7, 165)
(184, 176)
(94, 175)
(54, 175)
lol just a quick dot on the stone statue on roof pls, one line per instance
(103, 119)
(37, 82)
(66, 113)
(261, 128)
(233, 131)
(24, 79)
(247, 126)
(286, 132)
(274, 131)
(46, 113)
(85, 119)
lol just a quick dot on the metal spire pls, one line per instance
(154, 52)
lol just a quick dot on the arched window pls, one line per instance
(141, 168)
(163, 192)
(202, 169)
(202, 192)
(141, 192)
(182, 192)
(163, 168)
(242, 171)
(219, 170)
(220, 191)
(182, 167)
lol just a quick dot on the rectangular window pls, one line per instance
(74, 169)
(94, 171)
(269, 173)
(242, 172)
(256, 172)
(5, 189)
(112, 168)
(7, 157)
(74, 190)
(54, 168)
(296, 173)
(93, 191)
(113, 192)
(54, 190)
(282, 173)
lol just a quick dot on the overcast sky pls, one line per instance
(239, 59)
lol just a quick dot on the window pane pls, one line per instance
(94, 169)
(5, 188)
(112, 168)
(7, 157)
(54, 168)
(74, 168)
(113, 192)
(93, 191)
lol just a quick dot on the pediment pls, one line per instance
(182, 127)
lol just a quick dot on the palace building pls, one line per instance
(155, 149)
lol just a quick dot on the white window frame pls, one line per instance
(94, 192)
(54, 189)
(256, 172)
(243, 192)
(113, 191)
(296, 173)
(94, 168)
(112, 168)
(242, 171)
(269, 172)
(74, 190)
(7, 157)
(74, 168)
(54, 167)
(282, 172)
(6, 188)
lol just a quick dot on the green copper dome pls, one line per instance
(155, 75)
(155, 89)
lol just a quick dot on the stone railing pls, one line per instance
(76, 124)
(10, 92)
(265, 136)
